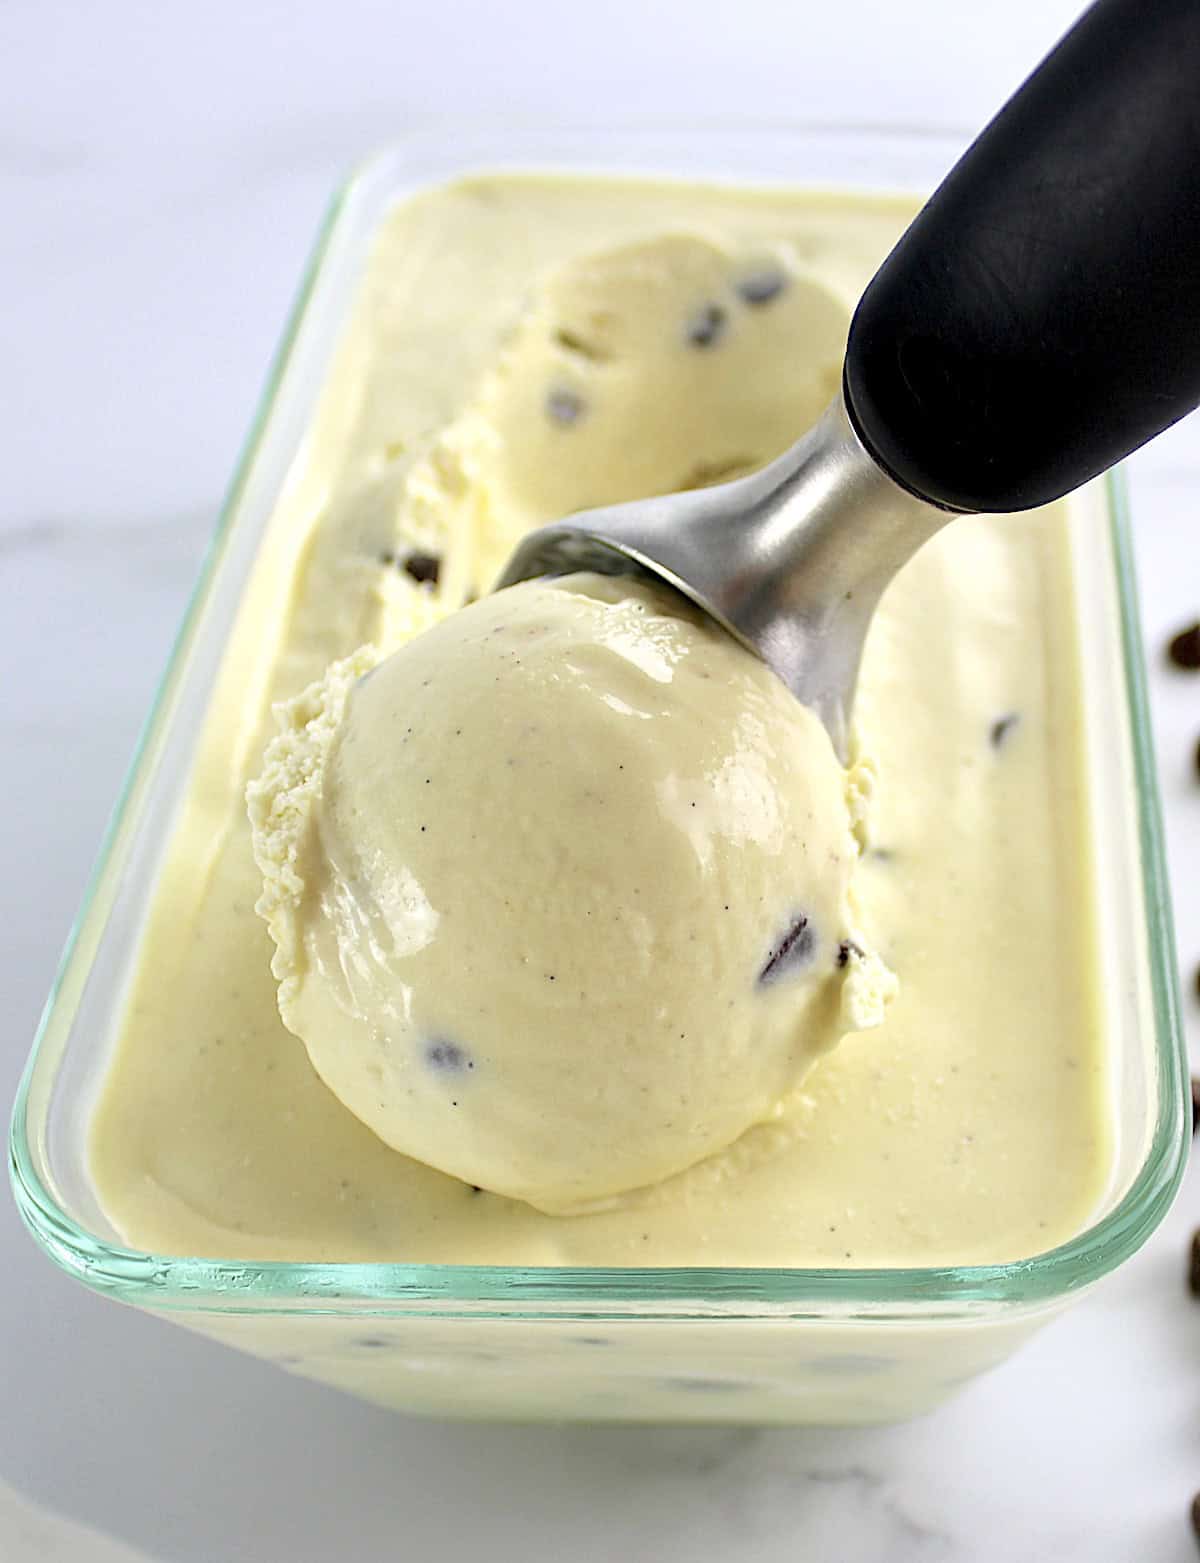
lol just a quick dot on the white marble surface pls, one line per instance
(161, 170)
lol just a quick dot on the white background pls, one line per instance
(162, 168)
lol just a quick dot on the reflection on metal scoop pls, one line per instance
(791, 560)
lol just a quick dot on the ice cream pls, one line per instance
(561, 890)
(607, 387)
(972, 1126)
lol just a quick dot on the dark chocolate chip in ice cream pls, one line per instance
(707, 326)
(564, 406)
(423, 568)
(1002, 728)
(762, 285)
(448, 1057)
(792, 952)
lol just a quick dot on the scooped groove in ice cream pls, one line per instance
(561, 890)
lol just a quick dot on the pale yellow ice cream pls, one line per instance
(972, 1126)
(561, 890)
(607, 388)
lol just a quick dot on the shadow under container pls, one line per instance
(688, 1345)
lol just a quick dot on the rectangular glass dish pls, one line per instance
(657, 1344)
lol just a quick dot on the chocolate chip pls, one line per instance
(424, 568)
(1002, 727)
(792, 951)
(846, 949)
(1195, 1103)
(1196, 1515)
(1184, 649)
(707, 326)
(448, 1056)
(564, 407)
(760, 287)
(1194, 1265)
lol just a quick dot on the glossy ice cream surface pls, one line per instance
(561, 890)
(526, 347)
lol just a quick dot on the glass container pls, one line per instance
(668, 1344)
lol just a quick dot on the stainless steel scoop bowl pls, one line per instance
(791, 560)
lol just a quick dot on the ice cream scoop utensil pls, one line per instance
(1038, 320)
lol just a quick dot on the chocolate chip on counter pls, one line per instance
(1002, 727)
(846, 949)
(1194, 1265)
(761, 286)
(564, 407)
(707, 326)
(792, 951)
(1196, 1515)
(424, 568)
(1184, 649)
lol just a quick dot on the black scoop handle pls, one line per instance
(1040, 318)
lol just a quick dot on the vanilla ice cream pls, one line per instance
(519, 348)
(561, 890)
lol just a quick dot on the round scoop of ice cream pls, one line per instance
(560, 890)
